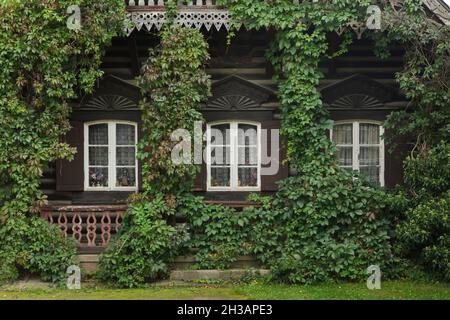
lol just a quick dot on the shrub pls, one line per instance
(218, 233)
(428, 174)
(44, 66)
(422, 211)
(144, 248)
(33, 246)
(313, 229)
(319, 228)
(425, 235)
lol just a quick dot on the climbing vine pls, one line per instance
(173, 85)
(422, 204)
(44, 66)
(324, 222)
(425, 79)
(311, 235)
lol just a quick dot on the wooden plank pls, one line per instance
(134, 58)
(233, 203)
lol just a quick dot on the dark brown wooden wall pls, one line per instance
(245, 58)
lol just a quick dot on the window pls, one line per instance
(360, 147)
(233, 156)
(110, 156)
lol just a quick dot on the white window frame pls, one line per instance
(234, 160)
(356, 146)
(111, 156)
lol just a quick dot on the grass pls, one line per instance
(389, 290)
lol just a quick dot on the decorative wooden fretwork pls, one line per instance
(77, 227)
(232, 102)
(196, 13)
(216, 18)
(106, 227)
(111, 94)
(90, 226)
(236, 93)
(110, 101)
(357, 92)
(359, 27)
(207, 13)
(356, 101)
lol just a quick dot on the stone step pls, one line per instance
(242, 262)
(229, 274)
(237, 204)
(89, 262)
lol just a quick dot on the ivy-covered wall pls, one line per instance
(44, 65)
(174, 85)
(324, 223)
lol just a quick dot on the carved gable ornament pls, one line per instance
(357, 92)
(234, 93)
(112, 94)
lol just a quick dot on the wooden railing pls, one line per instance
(90, 226)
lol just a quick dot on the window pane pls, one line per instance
(248, 155)
(342, 133)
(125, 177)
(369, 156)
(220, 134)
(125, 156)
(345, 156)
(247, 135)
(247, 177)
(98, 134)
(98, 156)
(125, 134)
(373, 173)
(369, 133)
(220, 177)
(98, 177)
(220, 155)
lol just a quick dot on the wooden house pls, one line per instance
(87, 196)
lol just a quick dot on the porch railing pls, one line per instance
(90, 226)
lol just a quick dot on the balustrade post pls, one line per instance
(77, 227)
(62, 222)
(106, 227)
(119, 216)
(91, 229)
(48, 215)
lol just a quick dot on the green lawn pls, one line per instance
(389, 290)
